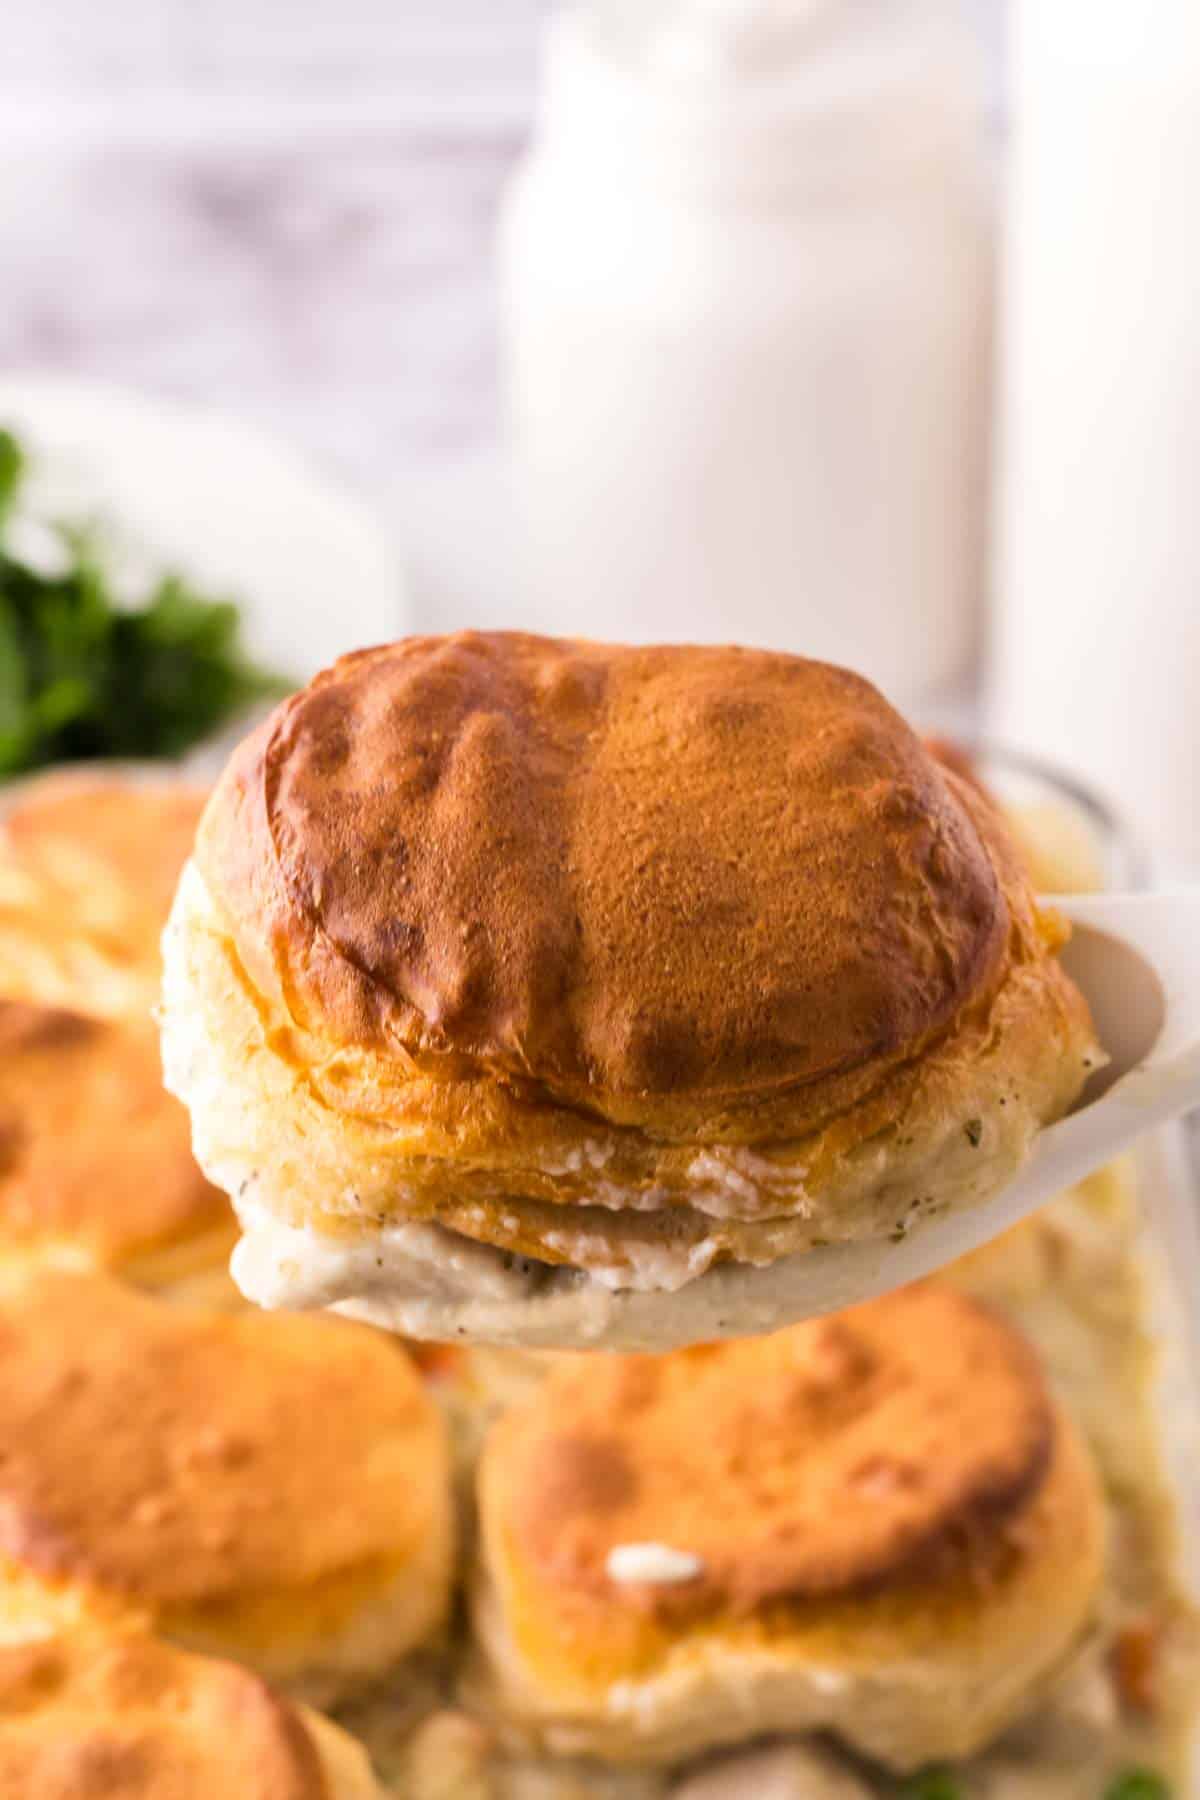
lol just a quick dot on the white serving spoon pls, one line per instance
(1137, 959)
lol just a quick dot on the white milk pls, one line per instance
(1097, 641)
(746, 280)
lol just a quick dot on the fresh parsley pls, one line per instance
(86, 673)
(1137, 1784)
(932, 1784)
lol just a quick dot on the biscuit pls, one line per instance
(276, 1490)
(88, 866)
(96, 1164)
(878, 1524)
(84, 1719)
(548, 991)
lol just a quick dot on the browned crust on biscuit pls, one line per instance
(175, 1458)
(841, 1457)
(616, 876)
(94, 1153)
(132, 1716)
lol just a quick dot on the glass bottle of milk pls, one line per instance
(746, 299)
(1095, 652)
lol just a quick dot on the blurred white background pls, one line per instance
(284, 207)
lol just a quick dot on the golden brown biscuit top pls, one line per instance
(609, 871)
(93, 1150)
(834, 1457)
(135, 1720)
(80, 823)
(174, 1457)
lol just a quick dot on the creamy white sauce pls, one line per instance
(427, 1282)
(278, 1265)
(657, 1563)
(781, 1772)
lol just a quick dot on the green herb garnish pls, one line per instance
(932, 1784)
(86, 673)
(974, 1131)
(1137, 1784)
